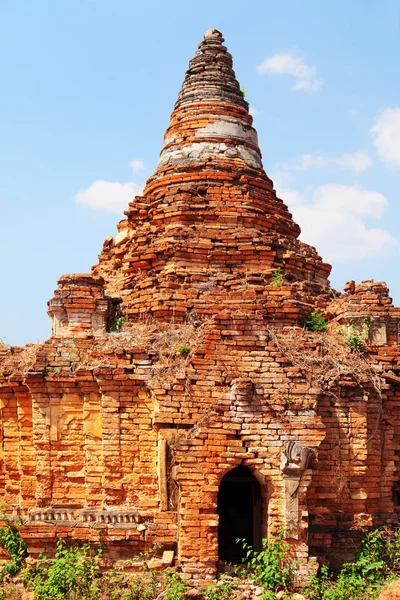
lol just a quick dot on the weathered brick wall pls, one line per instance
(125, 436)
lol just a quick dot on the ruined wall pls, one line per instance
(97, 435)
(183, 355)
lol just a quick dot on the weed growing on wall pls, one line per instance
(356, 334)
(315, 321)
(324, 359)
(278, 277)
(183, 350)
(118, 323)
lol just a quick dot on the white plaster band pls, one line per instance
(197, 151)
(229, 129)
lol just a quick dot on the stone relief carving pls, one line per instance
(294, 461)
(125, 518)
(296, 458)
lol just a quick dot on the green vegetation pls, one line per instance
(12, 542)
(315, 321)
(278, 277)
(377, 563)
(223, 590)
(353, 337)
(176, 587)
(184, 350)
(356, 335)
(142, 589)
(117, 325)
(269, 568)
(73, 573)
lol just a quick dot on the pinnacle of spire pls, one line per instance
(210, 75)
(210, 123)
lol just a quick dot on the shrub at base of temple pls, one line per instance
(12, 542)
(377, 564)
(75, 574)
(270, 568)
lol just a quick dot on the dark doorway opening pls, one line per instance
(240, 514)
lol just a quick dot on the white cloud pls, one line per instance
(334, 222)
(356, 161)
(109, 196)
(290, 64)
(136, 165)
(386, 132)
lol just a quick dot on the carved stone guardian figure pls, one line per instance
(294, 461)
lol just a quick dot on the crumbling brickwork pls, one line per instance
(180, 364)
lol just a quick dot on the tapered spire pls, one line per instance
(210, 75)
(210, 124)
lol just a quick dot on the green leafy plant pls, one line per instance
(184, 350)
(356, 335)
(12, 542)
(315, 321)
(141, 588)
(359, 580)
(269, 567)
(278, 277)
(175, 586)
(353, 337)
(115, 584)
(112, 583)
(117, 325)
(223, 590)
(243, 90)
(73, 573)
(392, 549)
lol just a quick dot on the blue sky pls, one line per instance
(87, 90)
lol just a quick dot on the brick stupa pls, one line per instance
(210, 233)
(179, 400)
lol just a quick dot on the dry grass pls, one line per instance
(324, 358)
(328, 364)
(18, 360)
(170, 347)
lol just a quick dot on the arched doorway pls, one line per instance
(240, 514)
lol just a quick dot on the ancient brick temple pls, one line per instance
(180, 400)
